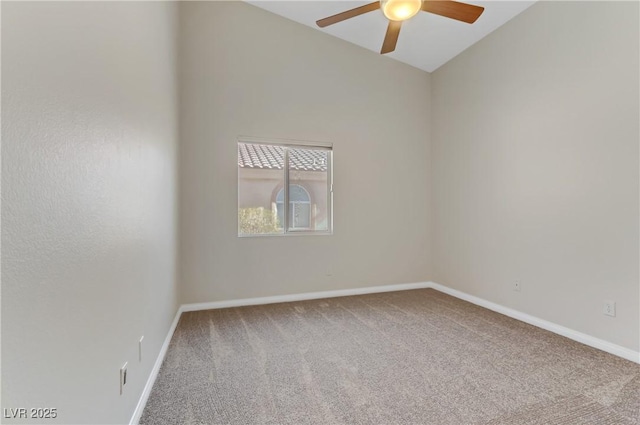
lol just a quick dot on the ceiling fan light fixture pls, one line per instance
(400, 10)
(397, 11)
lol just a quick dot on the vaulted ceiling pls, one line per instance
(426, 41)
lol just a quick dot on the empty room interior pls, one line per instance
(320, 212)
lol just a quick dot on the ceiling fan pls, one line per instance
(397, 11)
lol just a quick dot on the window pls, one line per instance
(271, 176)
(299, 207)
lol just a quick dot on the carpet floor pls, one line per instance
(407, 357)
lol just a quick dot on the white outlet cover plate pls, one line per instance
(609, 308)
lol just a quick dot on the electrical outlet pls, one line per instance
(609, 308)
(517, 286)
(140, 348)
(123, 377)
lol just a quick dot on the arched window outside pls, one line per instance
(299, 207)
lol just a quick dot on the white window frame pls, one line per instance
(293, 144)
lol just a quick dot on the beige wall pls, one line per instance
(248, 72)
(535, 167)
(88, 202)
(535, 176)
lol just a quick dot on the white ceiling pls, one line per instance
(426, 41)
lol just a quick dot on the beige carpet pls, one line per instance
(409, 357)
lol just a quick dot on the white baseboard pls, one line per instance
(589, 340)
(301, 297)
(137, 413)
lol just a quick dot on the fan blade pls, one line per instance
(390, 40)
(348, 14)
(452, 9)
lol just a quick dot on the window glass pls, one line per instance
(260, 170)
(309, 173)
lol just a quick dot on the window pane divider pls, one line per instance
(286, 191)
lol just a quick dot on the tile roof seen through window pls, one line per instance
(253, 155)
